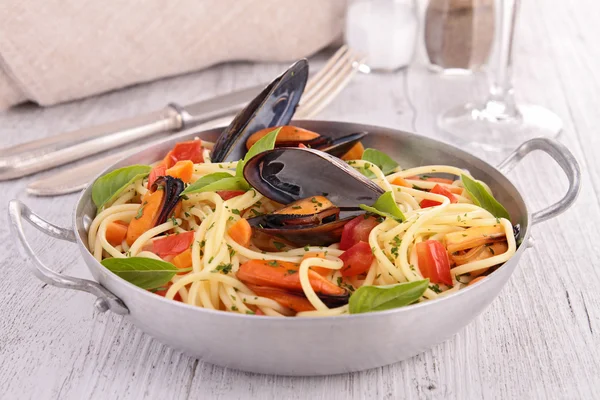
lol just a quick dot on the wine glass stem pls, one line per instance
(501, 98)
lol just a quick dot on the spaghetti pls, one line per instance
(399, 249)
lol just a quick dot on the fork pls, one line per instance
(320, 90)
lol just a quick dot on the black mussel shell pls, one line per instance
(332, 301)
(334, 146)
(274, 106)
(172, 188)
(285, 175)
(341, 145)
(323, 234)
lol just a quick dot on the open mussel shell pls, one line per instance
(274, 106)
(289, 174)
(340, 146)
(302, 235)
(293, 136)
(172, 189)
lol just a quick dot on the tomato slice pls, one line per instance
(357, 230)
(191, 150)
(172, 244)
(159, 170)
(438, 189)
(229, 194)
(357, 259)
(433, 262)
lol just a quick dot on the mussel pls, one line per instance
(319, 203)
(274, 106)
(158, 205)
(293, 136)
(172, 188)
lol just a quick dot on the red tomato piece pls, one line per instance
(433, 262)
(357, 259)
(159, 170)
(172, 244)
(357, 230)
(438, 189)
(191, 150)
(230, 194)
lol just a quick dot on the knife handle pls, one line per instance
(31, 157)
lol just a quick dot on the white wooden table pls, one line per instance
(539, 339)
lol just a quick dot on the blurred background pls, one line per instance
(416, 57)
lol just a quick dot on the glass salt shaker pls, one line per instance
(384, 31)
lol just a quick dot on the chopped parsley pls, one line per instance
(235, 211)
(224, 268)
(140, 212)
(435, 288)
(278, 245)
(273, 263)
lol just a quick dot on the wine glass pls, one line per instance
(498, 123)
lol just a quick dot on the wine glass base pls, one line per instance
(482, 126)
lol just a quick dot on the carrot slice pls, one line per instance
(116, 232)
(355, 152)
(146, 216)
(182, 170)
(399, 181)
(284, 275)
(241, 232)
(286, 299)
(183, 260)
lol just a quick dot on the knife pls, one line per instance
(28, 158)
(76, 178)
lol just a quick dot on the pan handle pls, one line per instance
(564, 159)
(19, 212)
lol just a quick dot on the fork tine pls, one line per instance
(322, 72)
(330, 90)
(348, 57)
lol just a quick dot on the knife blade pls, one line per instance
(76, 178)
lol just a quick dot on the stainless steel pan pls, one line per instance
(308, 346)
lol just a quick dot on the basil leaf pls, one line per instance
(205, 181)
(385, 163)
(109, 186)
(483, 198)
(265, 143)
(146, 273)
(385, 206)
(380, 298)
(231, 183)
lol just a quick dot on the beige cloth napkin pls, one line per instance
(53, 51)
